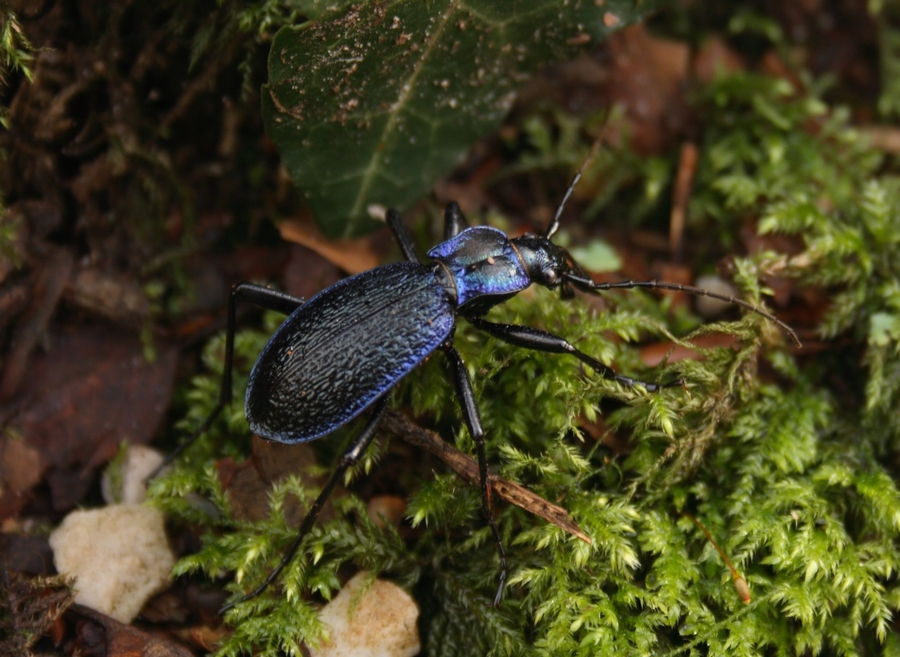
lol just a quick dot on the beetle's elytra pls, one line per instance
(341, 352)
(326, 360)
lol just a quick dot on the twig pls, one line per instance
(883, 137)
(681, 194)
(464, 465)
(49, 284)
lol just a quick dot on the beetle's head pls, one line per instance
(547, 264)
(552, 266)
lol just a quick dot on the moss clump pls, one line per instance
(794, 477)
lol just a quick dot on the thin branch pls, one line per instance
(465, 466)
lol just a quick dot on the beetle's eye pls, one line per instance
(551, 276)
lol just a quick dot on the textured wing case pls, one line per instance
(343, 349)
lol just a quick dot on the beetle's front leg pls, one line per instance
(538, 340)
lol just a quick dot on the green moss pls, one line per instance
(793, 478)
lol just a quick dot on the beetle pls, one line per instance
(342, 351)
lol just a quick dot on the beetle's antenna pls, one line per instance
(554, 225)
(585, 284)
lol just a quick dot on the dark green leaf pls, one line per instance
(369, 106)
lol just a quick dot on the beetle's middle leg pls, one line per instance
(349, 458)
(401, 235)
(473, 422)
(259, 296)
(454, 221)
(538, 340)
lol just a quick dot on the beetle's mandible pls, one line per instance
(341, 352)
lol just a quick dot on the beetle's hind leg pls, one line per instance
(259, 296)
(473, 422)
(538, 340)
(349, 458)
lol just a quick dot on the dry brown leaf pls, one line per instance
(353, 256)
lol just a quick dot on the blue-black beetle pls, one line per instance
(342, 351)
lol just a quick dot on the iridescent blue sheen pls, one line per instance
(344, 348)
(482, 262)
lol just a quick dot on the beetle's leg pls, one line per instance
(350, 457)
(454, 220)
(473, 421)
(259, 296)
(532, 338)
(402, 235)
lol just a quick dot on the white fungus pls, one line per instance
(125, 479)
(380, 623)
(708, 307)
(119, 556)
